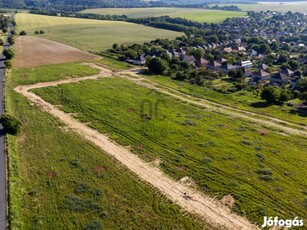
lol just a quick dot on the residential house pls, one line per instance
(238, 49)
(287, 72)
(260, 75)
(226, 67)
(279, 78)
(189, 59)
(202, 62)
(246, 64)
(214, 65)
(263, 67)
(140, 60)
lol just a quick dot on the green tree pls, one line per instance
(294, 65)
(157, 65)
(304, 96)
(285, 95)
(271, 94)
(8, 53)
(10, 124)
(198, 53)
(302, 83)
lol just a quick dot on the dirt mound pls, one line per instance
(33, 52)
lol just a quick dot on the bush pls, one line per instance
(1, 42)
(9, 54)
(41, 32)
(36, 32)
(23, 33)
(11, 40)
(8, 64)
(10, 124)
(296, 94)
(94, 225)
(271, 94)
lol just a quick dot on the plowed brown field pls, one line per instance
(33, 52)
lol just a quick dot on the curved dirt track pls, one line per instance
(280, 125)
(210, 210)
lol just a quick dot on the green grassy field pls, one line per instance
(59, 181)
(264, 171)
(247, 100)
(199, 15)
(274, 6)
(89, 35)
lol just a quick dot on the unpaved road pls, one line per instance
(210, 210)
(278, 124)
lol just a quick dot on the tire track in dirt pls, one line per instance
(210, 210)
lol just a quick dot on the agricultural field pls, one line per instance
(199, 15)
(58, 180)
(222, 155)
(89, 35)
(273, 6)
(246, 100)
(45, 52)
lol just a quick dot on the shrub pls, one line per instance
(266, 177)
(41, 32)
(8, 64)
(9, 54)
(264, 172)
(94, 225)
(23, 33)
(1, 42)
(36, 32)
(10, 124)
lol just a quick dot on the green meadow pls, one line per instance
(89, 35)
(263, 170)
(273, 6)
(57, 180)
(246, 100)
(199, 15)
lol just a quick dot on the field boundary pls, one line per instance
(209, 209)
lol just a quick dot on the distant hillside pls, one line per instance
(70, 4)
(76, 5)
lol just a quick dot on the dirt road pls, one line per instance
(280, 125)
(210, 210)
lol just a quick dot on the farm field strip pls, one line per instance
(206, 207)
(199, 15)
(279, 124)
(88, 34)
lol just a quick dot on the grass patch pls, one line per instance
(59, 181)
(198, 15)
(27, 76)
(246, 100)
(89, 35)
(190, 142)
